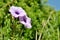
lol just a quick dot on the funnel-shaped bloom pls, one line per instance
(26, 21)
(17, 11)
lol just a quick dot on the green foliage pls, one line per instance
(44, 20)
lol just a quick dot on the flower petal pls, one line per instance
(17, 11)
(27, 24)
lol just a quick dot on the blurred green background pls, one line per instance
(45, 21)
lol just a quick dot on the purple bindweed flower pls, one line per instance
(17, 11)
(26, 21)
